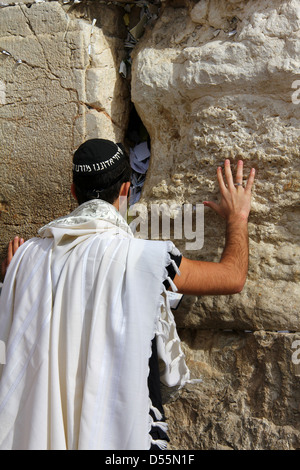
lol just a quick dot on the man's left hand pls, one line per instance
(11, 251)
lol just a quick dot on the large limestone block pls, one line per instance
(249, 396)
(219, 80)
(59, 85)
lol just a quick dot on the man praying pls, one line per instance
(86, 319)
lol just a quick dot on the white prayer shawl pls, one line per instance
(78, 310)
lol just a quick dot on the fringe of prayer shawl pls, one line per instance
(163, 327)
(176, 372)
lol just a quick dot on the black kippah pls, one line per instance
(97, 156)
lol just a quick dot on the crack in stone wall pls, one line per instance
(60, 84)
(51, 61)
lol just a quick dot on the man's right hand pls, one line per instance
(229, 275)
(235, 200)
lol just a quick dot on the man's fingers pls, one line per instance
(239, 172)
(250, 180)
(228, 175)
(16, 244)
(220, 180)
(10, 253)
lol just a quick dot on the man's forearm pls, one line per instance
(235, 255)
(225, 277)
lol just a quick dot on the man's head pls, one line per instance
(100, 169)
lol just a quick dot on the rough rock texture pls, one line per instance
(211, 80)
(60, 85)
(214, 81)
(249, 397)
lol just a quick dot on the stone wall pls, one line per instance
(215, 80)
(61, 85)
(210, 80)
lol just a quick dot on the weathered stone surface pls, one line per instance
(59, 85)
(211, 80)
(214, 81)
(249, 396)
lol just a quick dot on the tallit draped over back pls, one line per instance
(79, 308)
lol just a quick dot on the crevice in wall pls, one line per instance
(138, 16)
(135, 19)
(137, 141)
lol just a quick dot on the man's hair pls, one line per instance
(102, 186)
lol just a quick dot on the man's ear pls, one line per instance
(125, 189)
(73, 191)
